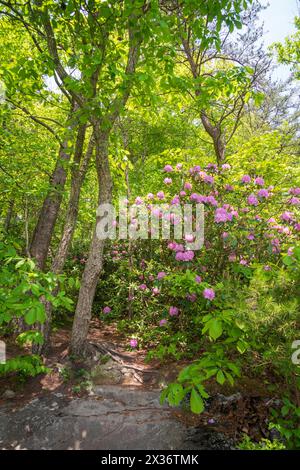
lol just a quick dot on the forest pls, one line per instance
(149, 226)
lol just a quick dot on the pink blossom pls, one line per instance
(168, 168)
(179, 166)
(209, 179)
(168, 180)
(138, 200)
(173, 311)
(259, 181)
(250, 236)
(155, 290)
(106, 310)
(163, 322)
(172, 245)
(226, 166)
(133, 343)
(287, 216)
(252, 200)
(212, 166)
(185, 256)
(189, 238)
(263, 193)
(178, 247)
(175, 201)
(275, 242)
(195, 197)
(143, 287)
(209, 294)
(202, 174)
(225, 235)
(182, 193)
(211, 201)
(191, 297)
(246, 179)
(295, 191)
(187, 186)
(221, 215)
(294, 201)
(161, 275)
(156, 212)
(228, 187)
(198, 279)
(150, 196)
(161, 195)
(232, 257)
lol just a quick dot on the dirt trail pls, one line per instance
(110, 403)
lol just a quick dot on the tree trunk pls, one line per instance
(78, 176)
(66, 239)
(94, 262)
(9, 216)
(215, 133)
(43, 231)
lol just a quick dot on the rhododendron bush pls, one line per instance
(181, 303)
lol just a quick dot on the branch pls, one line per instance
(36, 119)
(11, 176)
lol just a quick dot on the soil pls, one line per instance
(108, 379)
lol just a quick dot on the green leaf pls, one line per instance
(220, 377)
(285, 410)
(288, 260)
(215, 328)
(31, 316)
(196, 402)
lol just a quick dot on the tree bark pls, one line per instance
(43, 231)
(217, 136)
(65, 241)
(94, 262)
(78, 176)
(9, 215)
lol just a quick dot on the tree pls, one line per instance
(289, 52)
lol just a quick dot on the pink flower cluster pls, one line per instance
(222, 215)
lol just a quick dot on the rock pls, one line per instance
(9, 394)
(208, 439)
(223, 400)
(106, 373)
(117, 418)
